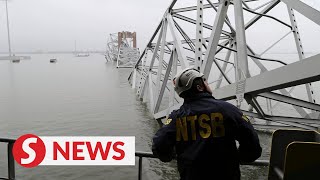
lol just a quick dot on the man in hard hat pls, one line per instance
(204, 132)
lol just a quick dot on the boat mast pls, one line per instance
(75, 47)
(9, 43)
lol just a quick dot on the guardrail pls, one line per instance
(142, 155)
(11, 168)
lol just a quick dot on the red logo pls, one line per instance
(29, 150)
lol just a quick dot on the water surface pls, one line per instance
(80, 97)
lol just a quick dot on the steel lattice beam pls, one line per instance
(280, 79)
(231, 75)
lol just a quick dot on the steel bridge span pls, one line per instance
(276, 91)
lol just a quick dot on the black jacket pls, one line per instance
(203, 132)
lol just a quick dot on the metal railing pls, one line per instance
(11, 168)
(142, 155)
(139, 154)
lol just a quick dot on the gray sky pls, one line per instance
(57, 24)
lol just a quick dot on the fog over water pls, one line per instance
(80, 97)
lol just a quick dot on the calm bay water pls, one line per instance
(81, 97)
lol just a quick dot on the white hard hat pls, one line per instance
(183, 81)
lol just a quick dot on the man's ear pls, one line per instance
(200, 88)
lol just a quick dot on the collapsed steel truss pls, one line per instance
(112, 48)
(121, 47)
(172, 48)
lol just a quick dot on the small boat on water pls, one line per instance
(16, 61)
(14, 58)
(82, 55)
(79, 54)
(53, 60)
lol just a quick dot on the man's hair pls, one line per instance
(193, 90)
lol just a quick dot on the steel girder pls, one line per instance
(120, 49)
(112, 47)
(231, 64)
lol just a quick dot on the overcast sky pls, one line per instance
(57, 24)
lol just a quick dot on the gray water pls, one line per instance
(79, 97)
